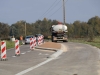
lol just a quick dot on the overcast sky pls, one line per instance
(12, 11)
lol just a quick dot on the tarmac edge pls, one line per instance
(59, 52)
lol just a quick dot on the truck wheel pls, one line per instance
(65, 41)
(52, 38)
(55, 41)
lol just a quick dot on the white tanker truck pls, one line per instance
(59, 33)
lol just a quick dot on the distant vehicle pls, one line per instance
(27, 39)
(58, 33)
(37, 35)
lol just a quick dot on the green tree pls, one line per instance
(90, 34)
(95, 23)
(77, 29)
(4, 31)
(84, 29)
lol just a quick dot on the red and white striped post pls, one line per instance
(3, 51)
(41, 39)
(31, 44)
(17, 50)
(38, 40)
(34, 41)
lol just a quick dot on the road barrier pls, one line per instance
(3, 51)
(31, 44)
(34, 41)
(17, 50)
(40, 40)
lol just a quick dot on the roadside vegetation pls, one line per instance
(10, 44)
(95, 42)
(84, 32)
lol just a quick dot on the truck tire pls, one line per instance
(52, 39)
(65, 41)
(56, 41)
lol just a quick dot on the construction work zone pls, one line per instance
(33, 44)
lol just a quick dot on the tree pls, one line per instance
(90, 34)
(84, 29)
(4, 31)
(77, 29)
(95, 23)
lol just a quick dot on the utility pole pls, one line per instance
(12, 32)
(64, 11)
(25, 28)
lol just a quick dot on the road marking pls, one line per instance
(28, 51)
(34, 67)
(43, 54)
(13, 56)
(46, 54)
(40, 53)
(23, 53)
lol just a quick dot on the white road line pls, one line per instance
(13, 56)
(23, 53)
(28, 51)
(40, 53)
(46, 54)
(34, 67)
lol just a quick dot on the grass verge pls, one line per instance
(95, 42)
(10, 44)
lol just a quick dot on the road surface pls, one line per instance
(79, 59)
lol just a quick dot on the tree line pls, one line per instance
(77, 29)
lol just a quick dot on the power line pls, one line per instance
(50, 8)
(57, 10)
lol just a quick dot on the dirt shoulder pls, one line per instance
(51, 45)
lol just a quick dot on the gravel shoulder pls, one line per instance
(51, 45)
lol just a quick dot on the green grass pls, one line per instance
(10, 44)
(95, 42)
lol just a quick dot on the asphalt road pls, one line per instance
(27, 58)
(80, 59)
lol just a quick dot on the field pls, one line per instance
(9, 44)
(95, 42)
